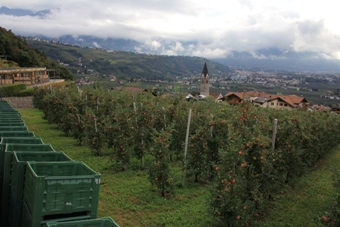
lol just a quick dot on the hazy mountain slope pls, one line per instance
(124, 64)
(266, 59)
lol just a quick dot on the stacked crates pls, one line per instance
(41, 187)
(20, 159)
(11, 125)
(7, 159)
(60, 191)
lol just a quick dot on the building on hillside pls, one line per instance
(279, 102)
(235, 98)
(319, 108)
(301, 102)
(260, 101)
(204, 89)
(29, 76)
(267, 100)
(217, 96)
(336, 109)
(252, 95)
(192, 97)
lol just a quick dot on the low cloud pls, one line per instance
(95, 44)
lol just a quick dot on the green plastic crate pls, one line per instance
(4, 102)
(30, 222)
(14, 128)
(13, 140)
(6, 154)
(16, 140)
(12, 221)
(6, 105)
(20, 158)
(16, 134)
(7, 109)
(6, 159)
(2, 149)
(18, 123)
(19, 140)
(55, 190)
(99, 222)
(28, 147)
(8, 114)
(11, 120)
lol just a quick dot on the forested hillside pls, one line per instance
(126, 65)
(19, 53)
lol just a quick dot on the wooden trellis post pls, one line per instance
(186, 149)
(274, 134)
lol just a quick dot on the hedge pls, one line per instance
(25, 93)
(11, 90)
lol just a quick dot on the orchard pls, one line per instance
(239, 150)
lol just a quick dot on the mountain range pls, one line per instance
(124, 64)
(262, 59)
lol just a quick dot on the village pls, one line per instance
(204, 83)
(37, 76)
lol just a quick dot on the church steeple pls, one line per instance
(205, 70)
(205, 81)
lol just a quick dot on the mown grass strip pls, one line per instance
(304, 202)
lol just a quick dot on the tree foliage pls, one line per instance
(230, 147)
(17, 50)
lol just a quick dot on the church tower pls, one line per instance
(204, 81)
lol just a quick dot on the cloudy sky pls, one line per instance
(210, 28)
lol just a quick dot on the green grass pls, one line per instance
(303, 203)
(130, 200)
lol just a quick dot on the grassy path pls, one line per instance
(129, 198)
(302, 204)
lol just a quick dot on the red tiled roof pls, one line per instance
(292, 100)
(253, 93)
(296, 99)
(287, 100)
(265, 95)
(215, 94)
(238, 94)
